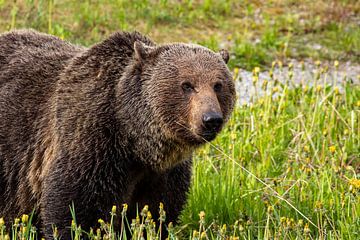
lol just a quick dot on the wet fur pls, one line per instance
(76, 125)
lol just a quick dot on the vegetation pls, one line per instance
(287, 166)
(256, 31)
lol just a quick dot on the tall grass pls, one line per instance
(305, 145)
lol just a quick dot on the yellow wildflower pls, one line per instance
(24, 218)
(113, 209)
(256, 70)
(306, 148)
(332, 149)
(306, 228)
(318, 88)
(202, 215)
(355, 183)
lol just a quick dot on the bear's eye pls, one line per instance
(187, 87)
(217, 87)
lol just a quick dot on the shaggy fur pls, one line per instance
(102, 126)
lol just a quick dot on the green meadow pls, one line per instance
(287, 165)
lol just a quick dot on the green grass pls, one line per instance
(301, 144)
(256, 32)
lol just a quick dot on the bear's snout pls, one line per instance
(212, 121)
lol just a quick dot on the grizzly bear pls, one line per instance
(106, 125)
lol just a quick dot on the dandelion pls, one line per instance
(306, 89)
(203, 235)
(306, 228)
(223, 229)
(236, 71)
(306, 148)
(317, 63)
(291, 65)
(318, 88)
(318, 205)
(25, 218)
(241, 228)
(332, 149)
(271, 74)
(55, 233)
(148, 215)
(300, 223)
(17, 220)
(355, 183)
(195, 234)
(144, 211)
(336, 64)
(336, 91)
(73, 225)
(98, 233)
(275, 89)
(256, 70)
(113, 209)
(358, 103)
(289, 223)
(264, 84)
(101, 222)
(255, 79)
(162, 213)
(325, 132)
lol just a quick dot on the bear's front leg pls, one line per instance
(93, 196)
(169, 188)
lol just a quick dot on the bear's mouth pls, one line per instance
(208, 135)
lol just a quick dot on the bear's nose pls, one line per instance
(212, 121)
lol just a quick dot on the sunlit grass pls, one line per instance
(256, 32)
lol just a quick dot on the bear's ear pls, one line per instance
(225, 55)
(142, 51)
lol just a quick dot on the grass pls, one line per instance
(287, 166)
(256, 32)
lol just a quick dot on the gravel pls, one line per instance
(244, 81)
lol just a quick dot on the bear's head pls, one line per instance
(190, 89)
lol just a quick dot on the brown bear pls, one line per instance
(101, 126)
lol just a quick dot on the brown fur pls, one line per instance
(104, 125)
